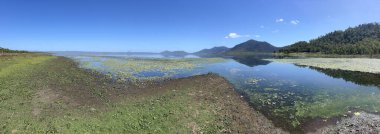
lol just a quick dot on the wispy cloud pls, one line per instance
(257, 36)
(295, 22)
(235, 35)
(276, 31)
(280, 20)
(262, 26)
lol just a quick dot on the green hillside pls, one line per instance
(360, 40)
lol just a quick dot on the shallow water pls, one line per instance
(288, 94)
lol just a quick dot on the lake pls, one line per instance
(293, 97)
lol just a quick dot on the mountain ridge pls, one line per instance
(253, 46)
(213, 50)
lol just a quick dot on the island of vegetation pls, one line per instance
(348, 64)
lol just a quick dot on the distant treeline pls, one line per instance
(5, 50)
(361, 40)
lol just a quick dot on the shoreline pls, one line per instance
(66, 98)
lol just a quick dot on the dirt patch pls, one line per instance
(43, 97)
(46, 96)
(194, 127)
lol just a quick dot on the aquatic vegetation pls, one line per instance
(337, 105)
(350, 64)
(253, 81)
(291, 105)
(144, 69)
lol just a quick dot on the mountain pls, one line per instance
(213, 51)
(360, 40)
(174, 53)
(253, 46)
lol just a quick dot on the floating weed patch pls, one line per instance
(144, 69)
(350, 64)
(253, 81)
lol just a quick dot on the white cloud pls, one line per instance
(280, 20)
(257, 36)
(232, 35)
(235, 35)
(276, 31)
(295, 22)
(262, 26)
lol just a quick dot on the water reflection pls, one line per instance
(251, 61)
(361, 78)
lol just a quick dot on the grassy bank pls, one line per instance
(47, 94)
(349, 64)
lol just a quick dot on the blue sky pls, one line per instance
(157, 25)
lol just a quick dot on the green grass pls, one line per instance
(161, 114)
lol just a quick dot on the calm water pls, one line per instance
(288, 94)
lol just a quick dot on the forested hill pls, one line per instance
(253, 46)
(360, 40)
(5, 50)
